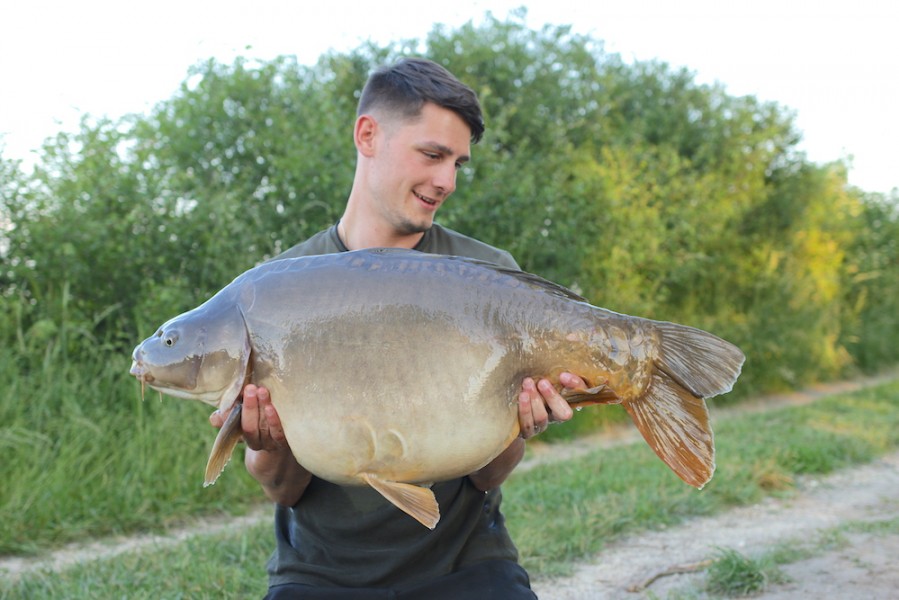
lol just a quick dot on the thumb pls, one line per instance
(217, 419)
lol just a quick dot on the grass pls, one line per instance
(558, 513)
(84, 457)
(226, 566)
(733, 575)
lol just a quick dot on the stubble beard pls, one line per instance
(408, 227)
(411, 224)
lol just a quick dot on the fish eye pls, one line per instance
(170, 339)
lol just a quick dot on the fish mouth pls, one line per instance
(138, 370)
(145, 378)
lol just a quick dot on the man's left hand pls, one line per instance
(540, 404)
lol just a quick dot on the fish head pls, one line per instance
(200, 355)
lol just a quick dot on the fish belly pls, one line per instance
(362, 400)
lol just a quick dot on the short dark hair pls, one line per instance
(405, 87)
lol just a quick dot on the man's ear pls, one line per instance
(365, 133)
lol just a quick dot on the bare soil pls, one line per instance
(671, 563)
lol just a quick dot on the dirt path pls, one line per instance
(861, 566)
(73, 554)
(861, 569)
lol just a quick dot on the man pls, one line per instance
(414, 128)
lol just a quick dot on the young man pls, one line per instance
(414, 128)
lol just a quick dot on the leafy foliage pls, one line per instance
(648, 192)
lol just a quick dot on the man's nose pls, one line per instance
(445, 179)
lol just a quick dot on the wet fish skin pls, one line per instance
(393, 368)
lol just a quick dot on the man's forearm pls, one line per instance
(496, 471)
(282, 478)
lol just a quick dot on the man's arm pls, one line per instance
(539, 404)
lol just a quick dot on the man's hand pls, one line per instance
(540, 404)
(259, 420)
(268, 458)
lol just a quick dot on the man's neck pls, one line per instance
(356, 237)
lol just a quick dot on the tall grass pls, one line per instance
(85, 456)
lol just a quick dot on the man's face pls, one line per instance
(415, 165)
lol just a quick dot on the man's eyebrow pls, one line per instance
(443, 149)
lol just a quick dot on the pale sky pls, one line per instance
(835, 62)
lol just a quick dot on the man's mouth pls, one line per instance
(424, 199)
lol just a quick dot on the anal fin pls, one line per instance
(227, 439)
(600, 394)
(416, 501)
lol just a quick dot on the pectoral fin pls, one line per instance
(223, 447)
(416, 501)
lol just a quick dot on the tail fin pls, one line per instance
(675, 424)
(672, 415)
(699, 361)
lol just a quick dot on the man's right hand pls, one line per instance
(259, 420)
(268, 458)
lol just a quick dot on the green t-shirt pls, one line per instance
(347, 536)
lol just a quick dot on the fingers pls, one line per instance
(572, 381)
(539, 404)
(557, 406)
(271, 419)
(251, 417)
(217, 419)
(532, 415)
(261, 425)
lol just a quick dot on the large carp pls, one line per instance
(396, 369)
